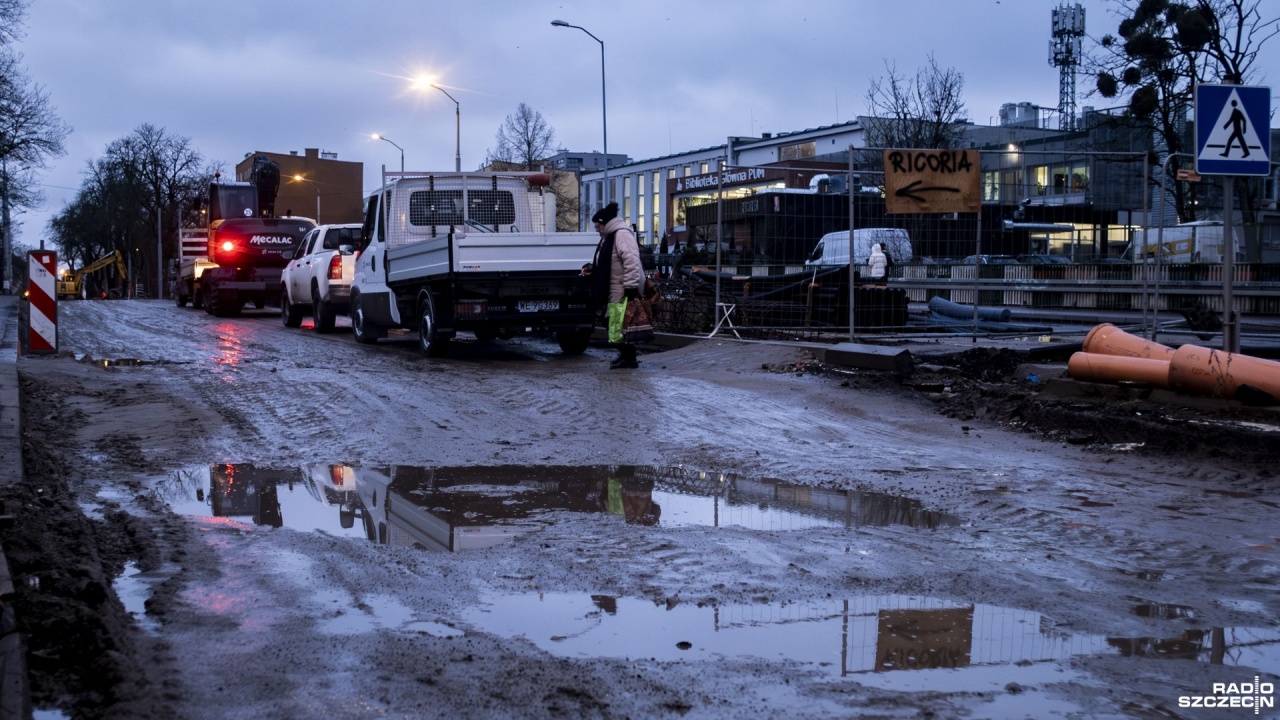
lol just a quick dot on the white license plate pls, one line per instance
(537, 305)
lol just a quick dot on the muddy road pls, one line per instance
(228, 519)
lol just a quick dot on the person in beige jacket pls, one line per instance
(617, 277)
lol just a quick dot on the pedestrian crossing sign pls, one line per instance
(1233, 130)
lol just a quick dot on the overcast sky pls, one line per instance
(235, 76)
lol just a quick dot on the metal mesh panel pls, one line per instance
(1051, 234)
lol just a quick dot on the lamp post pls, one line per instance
(457, 129)
(604, 107)
(377, 136)
(299, 178)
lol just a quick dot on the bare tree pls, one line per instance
(924, 111)
(524, 140)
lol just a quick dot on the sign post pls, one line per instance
(1233, 137)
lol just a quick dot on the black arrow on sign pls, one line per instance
(911, 190)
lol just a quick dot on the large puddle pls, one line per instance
(456, 508)
(872, 638)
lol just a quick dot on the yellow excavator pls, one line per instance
(71, 285)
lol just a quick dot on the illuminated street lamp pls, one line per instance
(377, 136)
(603, 105)
(299, 178)
(457, 129)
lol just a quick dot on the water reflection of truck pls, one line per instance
(467, 508)
(1193, 242)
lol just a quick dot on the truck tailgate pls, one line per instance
(491, 253)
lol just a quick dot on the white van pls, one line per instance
(833, 248)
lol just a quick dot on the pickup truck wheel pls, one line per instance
(573, 342)
(361, 328)
(429, 341)
(323, 313)
(179, 299)
(290, 314)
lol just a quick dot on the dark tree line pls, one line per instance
(145, 187)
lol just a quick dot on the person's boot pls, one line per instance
(626, 359)
(622, 356)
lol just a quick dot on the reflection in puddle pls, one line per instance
(456, 508)
(863, 636)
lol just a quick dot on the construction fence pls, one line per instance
(1054, 231)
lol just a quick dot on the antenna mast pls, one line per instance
(1065, 54)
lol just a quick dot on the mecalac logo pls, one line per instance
(270, 240)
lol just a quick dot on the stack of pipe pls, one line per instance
(1111, 354)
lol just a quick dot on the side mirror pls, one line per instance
(346, 249)
(287, 254)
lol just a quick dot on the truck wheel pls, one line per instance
(573, 342)
(218, 306)
(290, 314)
(429, 341)
(197, 300)
(363, 330)
(259, 303)
(322, 312)
(179, 299)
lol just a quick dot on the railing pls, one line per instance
(1121, 286)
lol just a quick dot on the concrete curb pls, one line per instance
(15, 699)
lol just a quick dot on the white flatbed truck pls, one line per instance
(443, 253)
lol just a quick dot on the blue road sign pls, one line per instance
(1233, 130)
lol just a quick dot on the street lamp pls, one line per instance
(376, 136)
(299, 178)
(604, 108)
(457, 129)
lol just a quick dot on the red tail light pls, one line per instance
(335, 267)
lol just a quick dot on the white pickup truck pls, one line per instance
(448, 252)
(319, 275)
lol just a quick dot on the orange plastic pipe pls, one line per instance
(1114, 368)
(1220, 374)
(1107, 339)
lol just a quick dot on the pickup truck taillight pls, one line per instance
(335, 266)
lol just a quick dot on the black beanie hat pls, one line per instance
(606, 213)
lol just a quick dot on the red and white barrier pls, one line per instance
(42, 319)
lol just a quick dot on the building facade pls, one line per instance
(314, 184)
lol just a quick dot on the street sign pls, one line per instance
(932, 181)
(1233, 130)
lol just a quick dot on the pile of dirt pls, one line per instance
(986, 384)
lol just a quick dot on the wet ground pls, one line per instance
(225, 518)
